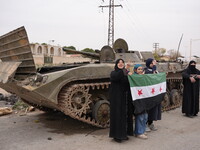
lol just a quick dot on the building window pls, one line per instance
(39, 50)
(52, 51)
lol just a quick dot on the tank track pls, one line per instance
(67, 107)
(80, 112)
(179, 102)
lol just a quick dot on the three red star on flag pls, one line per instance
(140, 92)
(153, 91)
(160, 89)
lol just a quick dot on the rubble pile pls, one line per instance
(8, 100)
(5, 110)
(11, 102)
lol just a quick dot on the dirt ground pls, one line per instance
(54, 131)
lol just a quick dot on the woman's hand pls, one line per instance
(130, 73)
(192, 79)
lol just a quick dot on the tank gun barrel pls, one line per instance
(86, 54)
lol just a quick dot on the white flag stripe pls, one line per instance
(147, 91)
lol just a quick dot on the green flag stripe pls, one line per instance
(146, 79)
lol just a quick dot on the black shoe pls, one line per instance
(195, 115)
(130, 134)
(126, 138)
(118, 140)
(189, 115)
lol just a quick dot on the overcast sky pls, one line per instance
(81, 23)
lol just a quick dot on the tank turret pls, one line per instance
(110, 55)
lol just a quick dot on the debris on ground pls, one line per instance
(49, 138)
(8, 100)
(5, 110)
(22, 108)
(20, 105)
(36, 121)
(11, 103)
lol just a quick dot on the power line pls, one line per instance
(134, 19)
(111, 7)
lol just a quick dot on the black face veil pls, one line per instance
(192, 68)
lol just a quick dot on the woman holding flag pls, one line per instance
(155, 113)
(147, 93)
(140, 119)
(121, 123)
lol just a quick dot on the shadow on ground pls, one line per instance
(57, 122)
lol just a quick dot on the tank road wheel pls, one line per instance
(101, 112)
(166, 101)
(75, 100)
(78, 100)
(175, 97)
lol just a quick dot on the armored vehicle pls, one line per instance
(79, 90)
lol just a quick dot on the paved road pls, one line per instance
(39, 131)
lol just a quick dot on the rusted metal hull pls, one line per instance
(14, 46)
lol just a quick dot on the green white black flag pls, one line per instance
(147, 90)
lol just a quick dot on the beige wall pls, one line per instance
(39, 59)
(59, 56)
(48, 50)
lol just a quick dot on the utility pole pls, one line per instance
(192, 40)
(156, 46)
(111, 21)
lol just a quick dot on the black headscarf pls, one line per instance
(148, 62)
(117, 61)
(192, 68)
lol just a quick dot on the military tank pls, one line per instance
(79, 90)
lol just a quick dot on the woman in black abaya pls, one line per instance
(191, 76)
(121, 123)
(154, 114)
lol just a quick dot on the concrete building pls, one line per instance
(52, 55)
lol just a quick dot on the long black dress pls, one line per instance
(121, 123)
(190, 104)
(154, 114)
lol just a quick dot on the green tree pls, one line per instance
(70, 47)
(159, 53)
(156, 56)
(88, 50)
